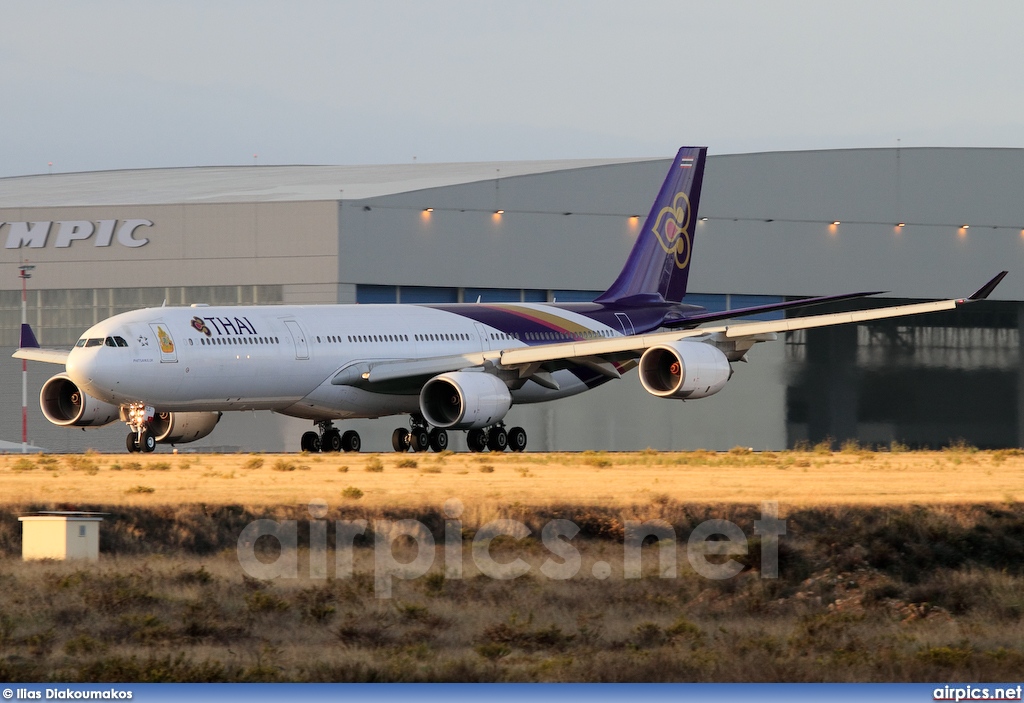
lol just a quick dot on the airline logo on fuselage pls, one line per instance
(672, 229)
(36, 235)
(224, 326)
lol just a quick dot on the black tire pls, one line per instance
(476, 440)
(132, 443)
(310, 442)
(332, 441)
(147, 442)
(517, 439)
(400, 440)
(438, 440)
(420, 440)
(497, 440)
(350, 441)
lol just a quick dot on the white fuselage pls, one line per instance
(284, 358)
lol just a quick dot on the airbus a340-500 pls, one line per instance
(170, 372)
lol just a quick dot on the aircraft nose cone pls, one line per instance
(77, 366)
(84, 368)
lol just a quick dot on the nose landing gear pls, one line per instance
(140, 439)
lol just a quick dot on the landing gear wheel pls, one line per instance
(132, 442)
(420, 439)
(438, 440)
(350, 441)
(331, 441)
(147, 442)
(517, 439)
(400, 440)
(497, 440)
(310, 442)
(476, 440)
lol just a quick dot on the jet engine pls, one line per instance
(684, 370)
(464, 400)
(180, 428)
(63, 403)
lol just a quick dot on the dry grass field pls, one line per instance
(793, 478)
(895, 566)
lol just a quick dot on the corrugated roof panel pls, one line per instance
(224, 184)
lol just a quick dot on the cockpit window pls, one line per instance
(120, 341)
(109, 341)
(94, 342)
(80, 342)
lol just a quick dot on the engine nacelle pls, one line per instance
(684, 370)
(464, 400)
(64, 403)
(181, 428)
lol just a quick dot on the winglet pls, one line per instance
(28, 339)
(986, 290)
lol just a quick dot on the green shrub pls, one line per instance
(140, 489)
(265, 602)
(79, 463)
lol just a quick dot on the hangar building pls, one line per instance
(917, 223)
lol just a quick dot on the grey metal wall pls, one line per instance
(189, 245)
(568, 229)
(768, 230)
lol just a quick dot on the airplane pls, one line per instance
(170, 372)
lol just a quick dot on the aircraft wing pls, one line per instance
(755, 331)
(748, 331)
(30, 349)
(358, 373)
(49, 356)
(601, 354)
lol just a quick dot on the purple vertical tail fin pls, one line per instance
(659, 264)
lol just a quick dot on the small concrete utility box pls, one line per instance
(60, 535)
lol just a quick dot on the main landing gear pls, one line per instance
(496, 439)
(330, 439)
(419, 438)
(140, 438)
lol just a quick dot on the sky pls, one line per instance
(113, 84)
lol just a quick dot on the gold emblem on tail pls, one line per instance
(672, 229)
